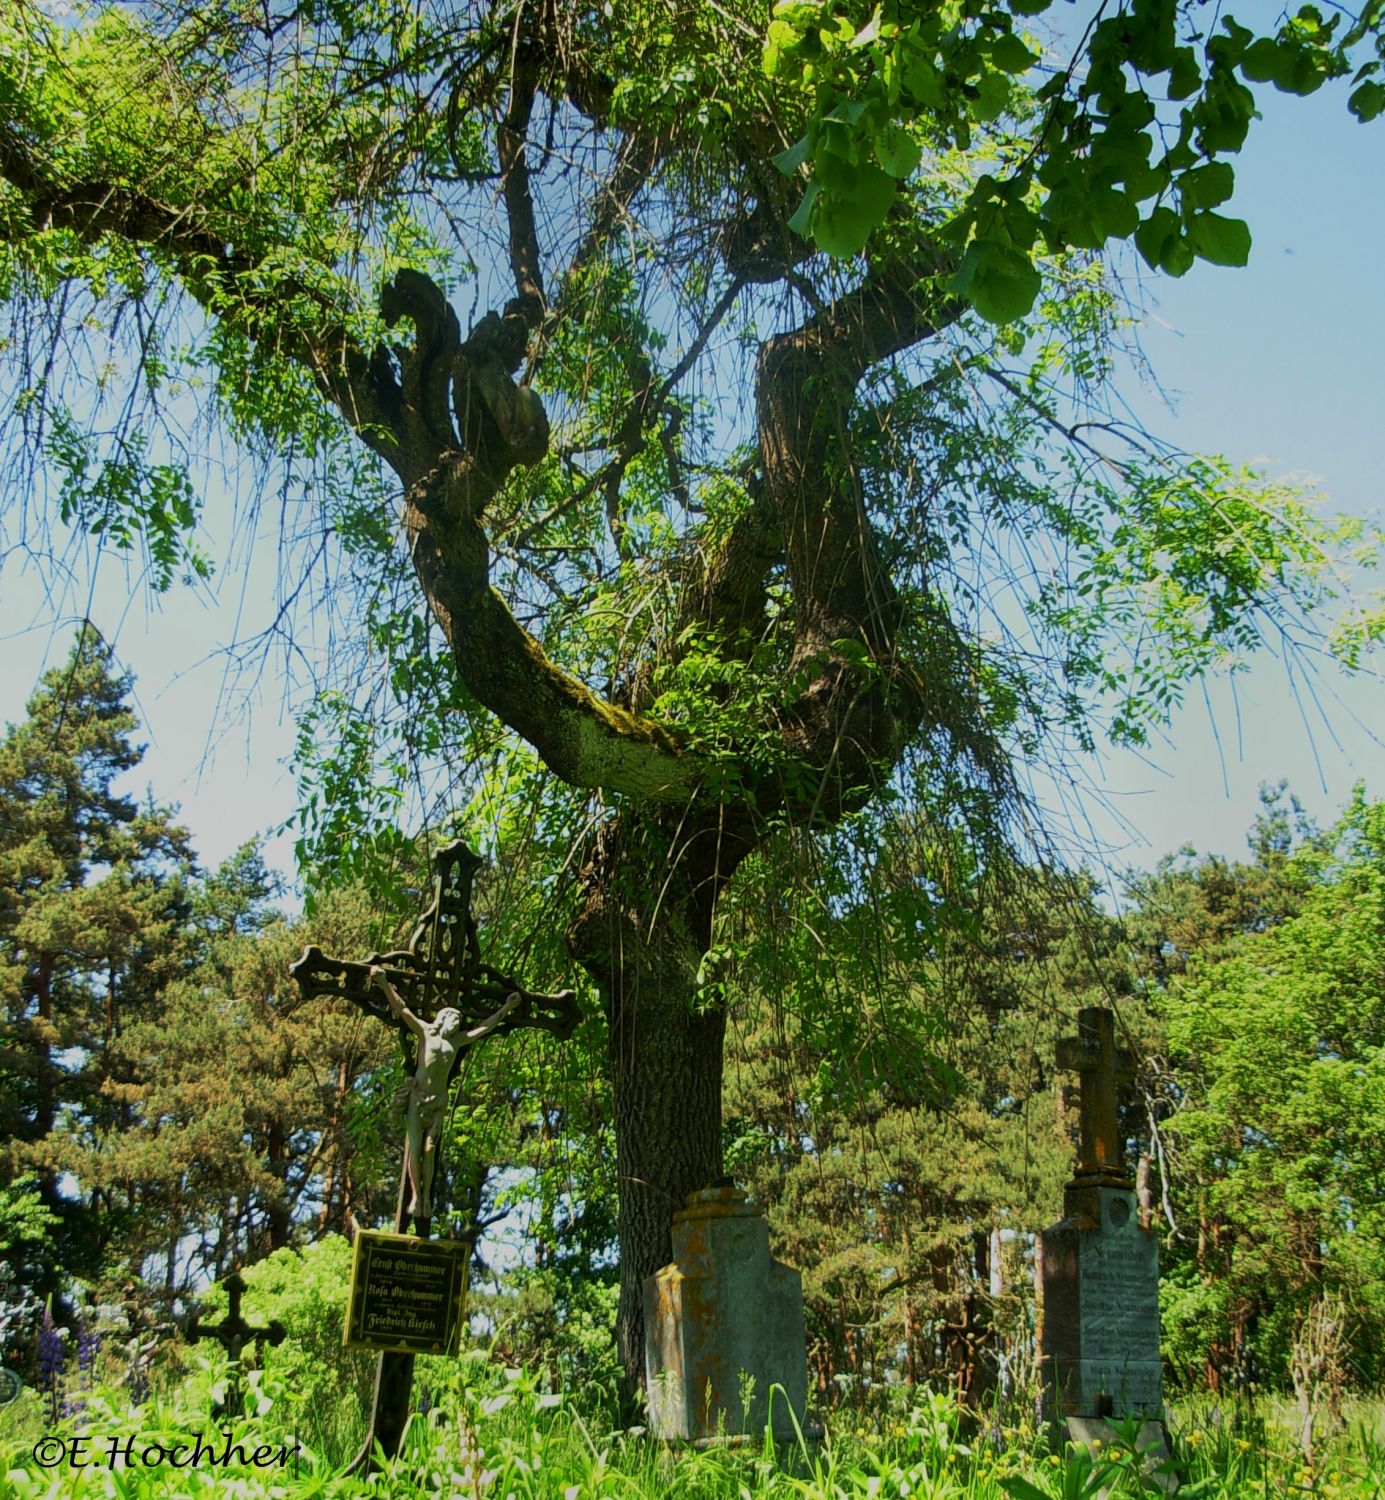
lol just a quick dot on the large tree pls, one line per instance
(723, 542)
(92, 931)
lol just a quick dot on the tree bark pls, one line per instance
(641, 936)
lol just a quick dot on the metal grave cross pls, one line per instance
(233, 1333)
(1104, 1071)
(413, 989)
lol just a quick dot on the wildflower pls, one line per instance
(51, 1356)
(572, 1492)
(1243, 1444)
(88, 1347)
(1054, 1460)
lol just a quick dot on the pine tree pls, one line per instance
(92, 909)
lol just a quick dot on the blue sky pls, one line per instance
(1282, 363)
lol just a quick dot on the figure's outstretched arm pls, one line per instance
(484, 1028)
(381, 983)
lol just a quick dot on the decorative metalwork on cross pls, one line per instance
(444, 999)
(233, 1333)
(1104, 1070)
(441, 968)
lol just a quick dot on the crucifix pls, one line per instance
(1104, 1070)
(442, 998)
(233, 1333)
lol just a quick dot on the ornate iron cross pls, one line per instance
(440, 969)
(1104, 1070)
(233, 1333)
(441, 966)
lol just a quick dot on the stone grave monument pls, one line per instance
(408, 1292)
(723, 1323)
(1098, 1269)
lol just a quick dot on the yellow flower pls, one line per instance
(1054, 1460)
(1243, 1444)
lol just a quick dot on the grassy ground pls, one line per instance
(492, 1436)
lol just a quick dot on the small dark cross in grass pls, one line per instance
(441, 998)
(233, 1333)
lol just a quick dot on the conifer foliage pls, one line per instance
(93, 900)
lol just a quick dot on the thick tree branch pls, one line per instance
(525, 260)
(806, 382)
(448, 481)
(847, 724)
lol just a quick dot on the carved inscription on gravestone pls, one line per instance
(1100, 1288)
(407, 1294)
(1119, 1308)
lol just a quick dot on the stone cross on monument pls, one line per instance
(233, 1333)
(1098, 1271)
(1104, 1070)
(443, 999)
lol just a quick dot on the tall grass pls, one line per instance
(491, 1434)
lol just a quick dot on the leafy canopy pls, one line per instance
(1120, 128)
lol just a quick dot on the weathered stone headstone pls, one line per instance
(723, 1324)
(1098, 1269)
(437, 992)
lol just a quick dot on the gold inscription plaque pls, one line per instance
(406, 1294)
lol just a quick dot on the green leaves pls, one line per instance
(897, 151)
(1224, 242)
(1368, 101)
(1000, 280)
(1131, 143)
(842, 220)
(124, 497)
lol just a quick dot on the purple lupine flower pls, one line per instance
(51, 1357)
(88, 1347)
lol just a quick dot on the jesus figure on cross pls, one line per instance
(438, 1042)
